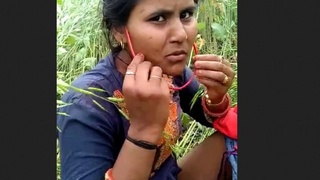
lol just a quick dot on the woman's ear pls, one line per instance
(119, 35)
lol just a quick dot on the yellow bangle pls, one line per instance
(215, 115)
(208, 101)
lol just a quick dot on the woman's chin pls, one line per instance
(174, 70)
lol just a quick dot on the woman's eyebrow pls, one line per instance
(171, 11)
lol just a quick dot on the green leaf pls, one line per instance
(59, 2)
(59, 102)
(201, 25)
(61, 50)
(218, 31)
(198, 94)
(96, 89)
(70, 40)
(95, 102)
(59, 129)
(116, 100)
(185, 119)
(61, 106)
(63, 114)
(123, 114)
(89, 62)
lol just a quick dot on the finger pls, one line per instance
(209, 83)
(165, 87)
(143, 70)
(129, 78)
(207, 57)
(230, 73)
(138, 59)
(217, 76)
(155, 76)
(226, 62)
(214, 66)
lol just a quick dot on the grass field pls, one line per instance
(80, 44)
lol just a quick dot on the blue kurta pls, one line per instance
(91, 138)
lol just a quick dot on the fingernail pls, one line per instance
(196, 64)
(140, 55)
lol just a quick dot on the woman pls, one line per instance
(97, 139)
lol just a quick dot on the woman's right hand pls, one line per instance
(147, 99)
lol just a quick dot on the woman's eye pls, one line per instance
(186, 15)
(158, 18)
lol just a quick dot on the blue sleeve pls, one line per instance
(89, 140)
(186, 96)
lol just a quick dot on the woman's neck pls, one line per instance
(122, 61)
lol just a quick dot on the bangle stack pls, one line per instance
(207, 102)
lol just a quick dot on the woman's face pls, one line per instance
(164, 31)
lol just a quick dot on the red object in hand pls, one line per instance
(173, 88)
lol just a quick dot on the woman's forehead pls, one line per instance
(167, 5)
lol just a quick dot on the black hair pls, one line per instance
(115, 15)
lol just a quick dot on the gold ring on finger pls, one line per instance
(225, 80)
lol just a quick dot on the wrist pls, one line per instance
(148, 134)
(216, 110)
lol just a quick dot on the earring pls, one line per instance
(121, 44)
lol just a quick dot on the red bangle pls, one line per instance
(108, 175)
(216, 114)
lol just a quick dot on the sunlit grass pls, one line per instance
(80, 44)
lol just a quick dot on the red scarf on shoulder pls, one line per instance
(228, 124)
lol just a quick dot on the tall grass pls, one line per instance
(80, 44)
(79, 37)
(219, 18)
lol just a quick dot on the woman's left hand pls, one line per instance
(215, 74)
